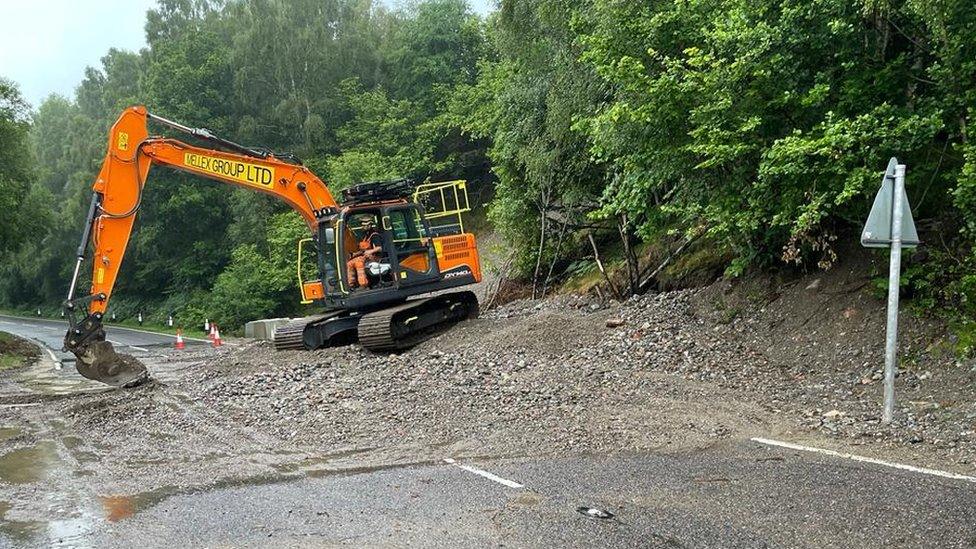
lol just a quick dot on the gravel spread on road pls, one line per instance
(667, 372)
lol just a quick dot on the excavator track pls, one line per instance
(291, 336)
(408, 324)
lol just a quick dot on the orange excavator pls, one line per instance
(385, 264)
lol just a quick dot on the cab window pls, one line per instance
(407, 228)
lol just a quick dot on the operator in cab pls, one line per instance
(370, 248)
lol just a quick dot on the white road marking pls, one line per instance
(486, 474)
(120, 344)
(854, 457)
(54, 357)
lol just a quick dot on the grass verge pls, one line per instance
(16, 352)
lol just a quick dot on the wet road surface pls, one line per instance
(737, 495)
(733, 494)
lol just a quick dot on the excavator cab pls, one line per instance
(406, 258)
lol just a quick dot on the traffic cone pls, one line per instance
(216, 338)
(213, 328)
(179, 340)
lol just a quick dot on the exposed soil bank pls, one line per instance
(16, 352)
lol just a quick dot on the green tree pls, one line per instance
(15, 164)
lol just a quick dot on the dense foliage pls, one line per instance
(353, 89)
(761, 125)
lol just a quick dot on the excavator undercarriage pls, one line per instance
(387, 329)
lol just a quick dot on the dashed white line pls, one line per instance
(864, 459)
(120, 344)
(486, 474)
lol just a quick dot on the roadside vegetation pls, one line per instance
(16, 352)
(715, 136)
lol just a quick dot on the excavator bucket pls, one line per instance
(100, 362)
(97, 358)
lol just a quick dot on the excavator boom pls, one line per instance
(117, 195)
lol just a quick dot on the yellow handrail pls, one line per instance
(458, 187)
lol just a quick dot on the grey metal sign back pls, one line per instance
(877, 229)
(890, 225)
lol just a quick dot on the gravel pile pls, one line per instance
(529, 377)
(821, 365)
(572, 373)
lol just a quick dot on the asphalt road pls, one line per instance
(50, 333)
(733, 494)
(58, 374)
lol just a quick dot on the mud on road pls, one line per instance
(667, 373)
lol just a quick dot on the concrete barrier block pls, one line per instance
(263, 329)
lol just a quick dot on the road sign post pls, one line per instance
(890, 225)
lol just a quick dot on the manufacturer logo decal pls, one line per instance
(455, 274)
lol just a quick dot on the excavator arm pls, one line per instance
(117, 195)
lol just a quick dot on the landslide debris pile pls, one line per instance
(531, 375)
(570, 373)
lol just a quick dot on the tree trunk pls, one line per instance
(644, 283)
(632, 273)
(543, 226)
(599, 264)
(552, 264)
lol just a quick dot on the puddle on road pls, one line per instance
(44, 378)
(71, 515)
(29, 464)
(61, 532)
(69, 520)
(19, 531)
(122, 507)
(7, 433)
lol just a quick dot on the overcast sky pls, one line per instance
(45, 45)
